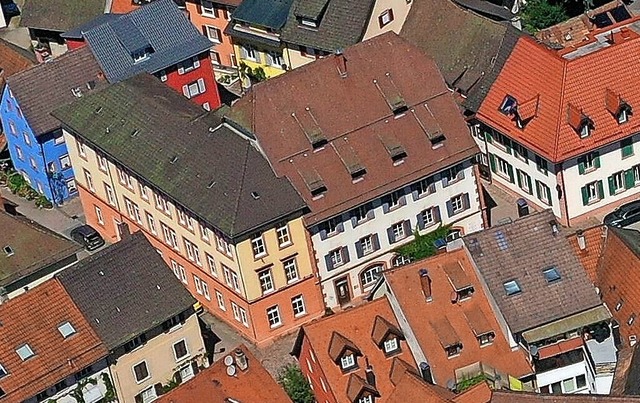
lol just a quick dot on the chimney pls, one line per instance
(425, 372)
(624, 33)
(123, 230)
(341, 63)
(371, 377)
(241, 359)
(582, 241)
(425, 283)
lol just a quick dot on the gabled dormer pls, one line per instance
(579, 121)
(344, 352)
(361, 391)
(619, 108)
(525, 112)
(309, 13)
(386, 336)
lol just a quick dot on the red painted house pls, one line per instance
(173, 51)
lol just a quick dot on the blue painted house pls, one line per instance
(34, 137)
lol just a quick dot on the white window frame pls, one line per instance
(208, 9)
(348, 361)
(175, 353)
(99, 216)
(391, 345)
(297, 304)
(337, 259)
(291, 270)
(205, 290)
(273, 316)
(151, 222)
(386, 17)
(25, 352)
(111, 196)
(220, 299)
(398, 231)
(366, 243)
(284, 237)
(198, 284)
(618, 182)
(103, 164)
(151, 390)
(89, 180)
(265, 278)
(457, 204)
(592, 192)
(236, 311)
(258, 246)
(215, 38)
(370, 276)
(211, 262)
(590, 162)
(243, 317)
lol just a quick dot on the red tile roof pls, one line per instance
(357, 325)
(214, 385)
(122, 6)
(411, 388)
(13, 60)
(354, 115)
(570, 86)
(33, 318)
(589, 256)
(440, 322)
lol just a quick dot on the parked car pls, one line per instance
(87, 237)
(624, 215)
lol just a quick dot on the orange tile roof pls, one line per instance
(33, 318)
(480, 393)
(589, 256)
(357, 325)
(122, 6)
(13, 59)
(569, 88)
(411, 388)
(214, 385)
(427, 319)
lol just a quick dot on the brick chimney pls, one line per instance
(425, 283)
(341, 63)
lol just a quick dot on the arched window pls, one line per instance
(369, 276)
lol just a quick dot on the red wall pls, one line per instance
(304, 361)
(205, 71)
(75, 43)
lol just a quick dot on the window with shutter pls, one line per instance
(201, 87)
(626, 147)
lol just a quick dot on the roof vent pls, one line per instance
(77, 92)
(241, 359)
(231, 368)
(582, 240)
(255, 195)
(212, 129)
(101, 273)
(174, 159)
(99, 110)
(211, 184)
(8, 250)
(135, 133)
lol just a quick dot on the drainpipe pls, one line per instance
(46, 173)
(560, 178)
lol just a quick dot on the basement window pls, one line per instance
(8, 250)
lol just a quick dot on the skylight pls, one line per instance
(25, 352)
(66, 329)
(551, 274)
(3, 372)
(512, 287)
(8, 250)
(508, 105)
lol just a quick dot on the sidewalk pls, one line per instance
(501, 206)
(60, 219)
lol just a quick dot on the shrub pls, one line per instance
(540, 14)
(423, 245)
(295, 384)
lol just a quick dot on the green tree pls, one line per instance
(295, 384)
(540, 14)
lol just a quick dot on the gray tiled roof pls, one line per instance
(520, 251)
(56, 79)
(125, 290)
(266, 13)
(215, 171)
(342, 24)
(160, 25)
(59, 15)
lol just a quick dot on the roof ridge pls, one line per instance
(240, 187)
(40, 66)
(559, 120)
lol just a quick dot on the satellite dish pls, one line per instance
(534, 351)
(228, 360)
(231, 370)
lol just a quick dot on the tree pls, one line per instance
(295, 384)
(540, 14)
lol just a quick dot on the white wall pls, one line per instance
(470, 220)
(91, 393)
(566, 372)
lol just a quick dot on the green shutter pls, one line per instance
(627, 147)
(549, 193)
(596, 159)
(538, 184)
(510, 171)
(529, 182)
(507, 144)
(518, 178)
(492, 162)
(629, 180)
(585, 195)
(487, 135)
(600, 190)
(581, 165)
(612, 189)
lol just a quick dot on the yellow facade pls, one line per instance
(259, 62)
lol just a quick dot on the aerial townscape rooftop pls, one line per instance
(374, 201)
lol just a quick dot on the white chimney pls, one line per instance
(582, 240)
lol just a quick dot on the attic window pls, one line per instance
(580, 122)
(619, 305)
(141, 55)
(436, 139)
(509, 105)
(358, 173)
(66, 329)
(454, 350)
(487, 338)
(551, 275)
(632, 318)
(623, 113)
(391, 345)
(512, 287)
(255, 195)
(25, 352)
(307, 22)
(311, 129)
(8, 250)
(348, 361)
(585, 130)
(3, 372)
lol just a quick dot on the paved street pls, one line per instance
(501, 206)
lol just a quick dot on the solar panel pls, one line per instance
(620, 13)
(502, 240)
(602, 20)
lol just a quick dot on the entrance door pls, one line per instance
(342, 289)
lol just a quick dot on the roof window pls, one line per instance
(551, 274)
(501, 239)
(3, 372)
(8, 250)
(25, 352)
(307, 22)
(509, 105)
(311, 129)
(512, 287)
(66, 329)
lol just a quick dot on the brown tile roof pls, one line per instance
(356, 386)
(214, 385)
(33, 318)
(381, 329)
(354, 115)
(504, 396)
(34, 248)
(13, 59)
(480, 393)
(589, 253)
(520, 251)
(411, 388)
(356, 324)
(440, 322)
(626, 379)
(339, 344)
(619, 263)
(59, 15)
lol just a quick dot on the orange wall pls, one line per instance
(200, 21)
(314, 373)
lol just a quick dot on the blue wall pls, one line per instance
(40, 159)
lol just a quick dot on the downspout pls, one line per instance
(560, 177)
(46, 172)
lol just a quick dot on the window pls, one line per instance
(58, 139)
(141, 371)
(551, 275)
(19, 153)
(211, 262)
(208, 9)
(99, 216)
(259, 248)
(428, 218)
(198, 284)
(25, 352)
(215, 59)
(133, 210)
(589, 162)
(508, 105)
(426, 187)
(162, 204)
(144, 191)
(89, 180)
(585, 130)
(149, 394)
(541, 164)
(71, 185)
(236, 311)
(616, 183)
(367, 398)
(234, 61)
(592, 192)
(213, 34)
(619, 305)
(205, 234)
(81, 149)
(284, 239)
(3, 372)
(486, 339)
(626, 147)
(524, 181)
(170, 237)
(458, 204)
(12, 128)
(631, 319)
(231, 278)
(512, 287)
(205, 290)
(163, 75)
(180, 350)
(504, 169)
(391, 345)
(66, 329)
(366, 246)
(333, 226)
(385, 18)
(520, 152)
(369, 276)
(398, 231)
(396, 199)
(543, 192)
(273, 316)
(248, 52)
(243, 316)
(65, 162)
(188, 65)
(297, 303)
(275, 59)
(111, 197)
(266, 281)
(193, 252)
(347, 361)
(223, 246)
(337, 258)
(581, 381)
(125, 179)
(151, 222)
(140, 55)
(220, 299)
(193, 89)
(453, 350)
(290, 270)
(400, 261)
(102, 163)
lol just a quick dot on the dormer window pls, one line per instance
(464, 293)
(585, 130)
(486, 339)
(509, 105)
(624, 113)
(620, 109)
(348, 361)
(391, 345)
(308, 23)
(366, 399)
(140, 55)
(453, 350)
(8, 250)
(580, 122)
